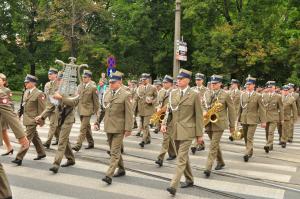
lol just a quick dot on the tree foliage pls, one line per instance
(230, 37)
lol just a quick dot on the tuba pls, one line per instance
(212, 115)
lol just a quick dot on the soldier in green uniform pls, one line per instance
(50, 88)
(146, 100)
(290, 114)
(34, 103)
(274, 113)
(5, 191)
(87, 106)
(133, 86)
(251, 113)
(64, 118)
(8, 115)
(199, 77)
(215, 130)
(187, 116)
(159, 87)
(297, 99)
(118, 123)
(235, 95)
(168, 144)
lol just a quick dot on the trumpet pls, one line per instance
(212, 115)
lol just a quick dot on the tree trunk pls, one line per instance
(226, 12)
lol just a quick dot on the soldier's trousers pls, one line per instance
(249, 131)
(115, 141)
(183, 163)
(5, 192)
(11, 119)
(168, 145)
(53, 129)
(291, 131)
(270, 129)
(285, 130)
(32, 136)
(64, 146)
(85, 131)
(214, 149)
(145, 125)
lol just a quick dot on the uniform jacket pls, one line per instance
(274, 107)
(289, 108)
(201, 90)
(118, 112)
(34, 105)
(297, 99)
(187, 114)
(252, 111)
(88, 99)
(236, 99)
(144, 93)
(227, 113)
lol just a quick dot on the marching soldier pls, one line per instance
(160, 92)
(87, 106)
(64, 118)
(133, 86)
(168, 142)
(185, 104)
(5, 191)
(146, 99)
(251, 113)
(101, 90)
(50, 88)
(235, 95)
(216, 129)
(34, 103)
(290, 114)
(297, 99)
(274, 113)
(199, 77)
(118, 123)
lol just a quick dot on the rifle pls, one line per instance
(21, 109)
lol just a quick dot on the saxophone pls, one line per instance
(212, 115)
(158, 116)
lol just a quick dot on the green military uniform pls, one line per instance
(5, 191)
(251, 113)
(34, 103)
(201, 89)
(87, 106)
(168, 144)
(235, 95)
(50, 88)
(297, 100)
(215, 130)
(290, 116)
(274, 114)
(64, 118)
(187, 125)
(117, 120)
(146, 100)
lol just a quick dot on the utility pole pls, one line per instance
(176, 63)
(72, 31)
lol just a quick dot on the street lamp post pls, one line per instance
(176, 63)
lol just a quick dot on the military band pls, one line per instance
(179, 112)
